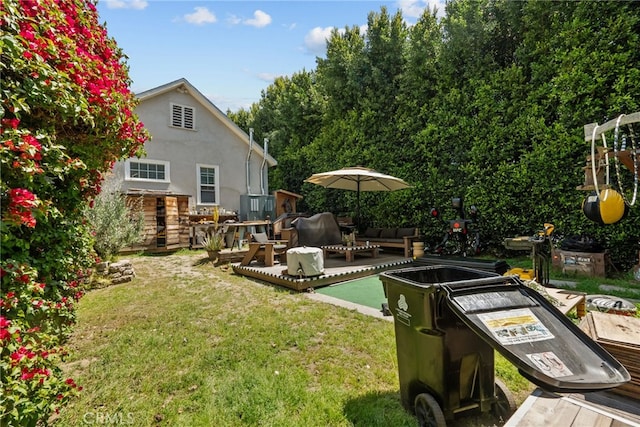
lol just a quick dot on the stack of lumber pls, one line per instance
(620, 336)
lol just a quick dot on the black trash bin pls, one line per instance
(449, 320)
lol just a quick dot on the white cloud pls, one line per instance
(233, 20)
(201, 16)
(234, 104)
(267, 77)
(414, 8)
(127, 4)
(260, 19)
(316, 40)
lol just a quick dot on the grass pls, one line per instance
(187, 344)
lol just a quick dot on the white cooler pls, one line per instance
(305, 261)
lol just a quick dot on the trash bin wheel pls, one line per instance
(505, 404)
(428, 411)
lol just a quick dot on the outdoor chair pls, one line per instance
(264, 250)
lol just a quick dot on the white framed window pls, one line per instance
(183, 116)
(208, 177)
(147, 170)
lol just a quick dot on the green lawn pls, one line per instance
(187, 344)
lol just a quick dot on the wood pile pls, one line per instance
(620, 336)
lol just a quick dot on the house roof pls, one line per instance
(215, 111)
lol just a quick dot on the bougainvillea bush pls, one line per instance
(67, 116)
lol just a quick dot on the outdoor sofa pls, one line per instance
(401, 238)
(323, 229)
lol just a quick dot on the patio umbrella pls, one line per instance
(358, 179)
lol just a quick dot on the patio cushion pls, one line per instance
(260, 237)
(263, 238)
(372, 232)
(388, 233)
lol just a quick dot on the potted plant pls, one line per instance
(213, 242)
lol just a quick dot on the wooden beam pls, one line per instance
(611, 124)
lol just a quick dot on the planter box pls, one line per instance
(591, 264)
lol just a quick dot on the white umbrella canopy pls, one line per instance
(358, 179)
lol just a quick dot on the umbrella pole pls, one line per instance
(358, 207)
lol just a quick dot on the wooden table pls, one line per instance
(350, 251)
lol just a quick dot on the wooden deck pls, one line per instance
(336, 270)
(599, 409)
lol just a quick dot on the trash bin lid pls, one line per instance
(547, 347)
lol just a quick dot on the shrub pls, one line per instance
(114, 223)
(67, 116)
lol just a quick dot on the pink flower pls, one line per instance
(20, 205)
(10, 123)
(22, 352)
(21, 197)
(31, 140)
(28, 35)
(27, 375)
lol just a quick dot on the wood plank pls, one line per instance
(620, 336)
(565, 414)
(569, 300)
(623, 329)
(586, 417)
(597, 409)
(541, 411)
(171, 206)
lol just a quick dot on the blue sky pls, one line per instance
(232, 50)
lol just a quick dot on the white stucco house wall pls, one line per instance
(195, 150)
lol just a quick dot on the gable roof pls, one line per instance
(183, 84)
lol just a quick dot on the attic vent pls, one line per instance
(182, 116)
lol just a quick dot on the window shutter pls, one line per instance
(176, 115)
(182, 116)
(188, 118)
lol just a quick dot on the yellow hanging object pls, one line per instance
(612, 206)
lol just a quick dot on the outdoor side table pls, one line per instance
(350, 251)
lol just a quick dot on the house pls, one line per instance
(197, 159)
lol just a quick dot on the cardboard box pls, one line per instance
(591, 264)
